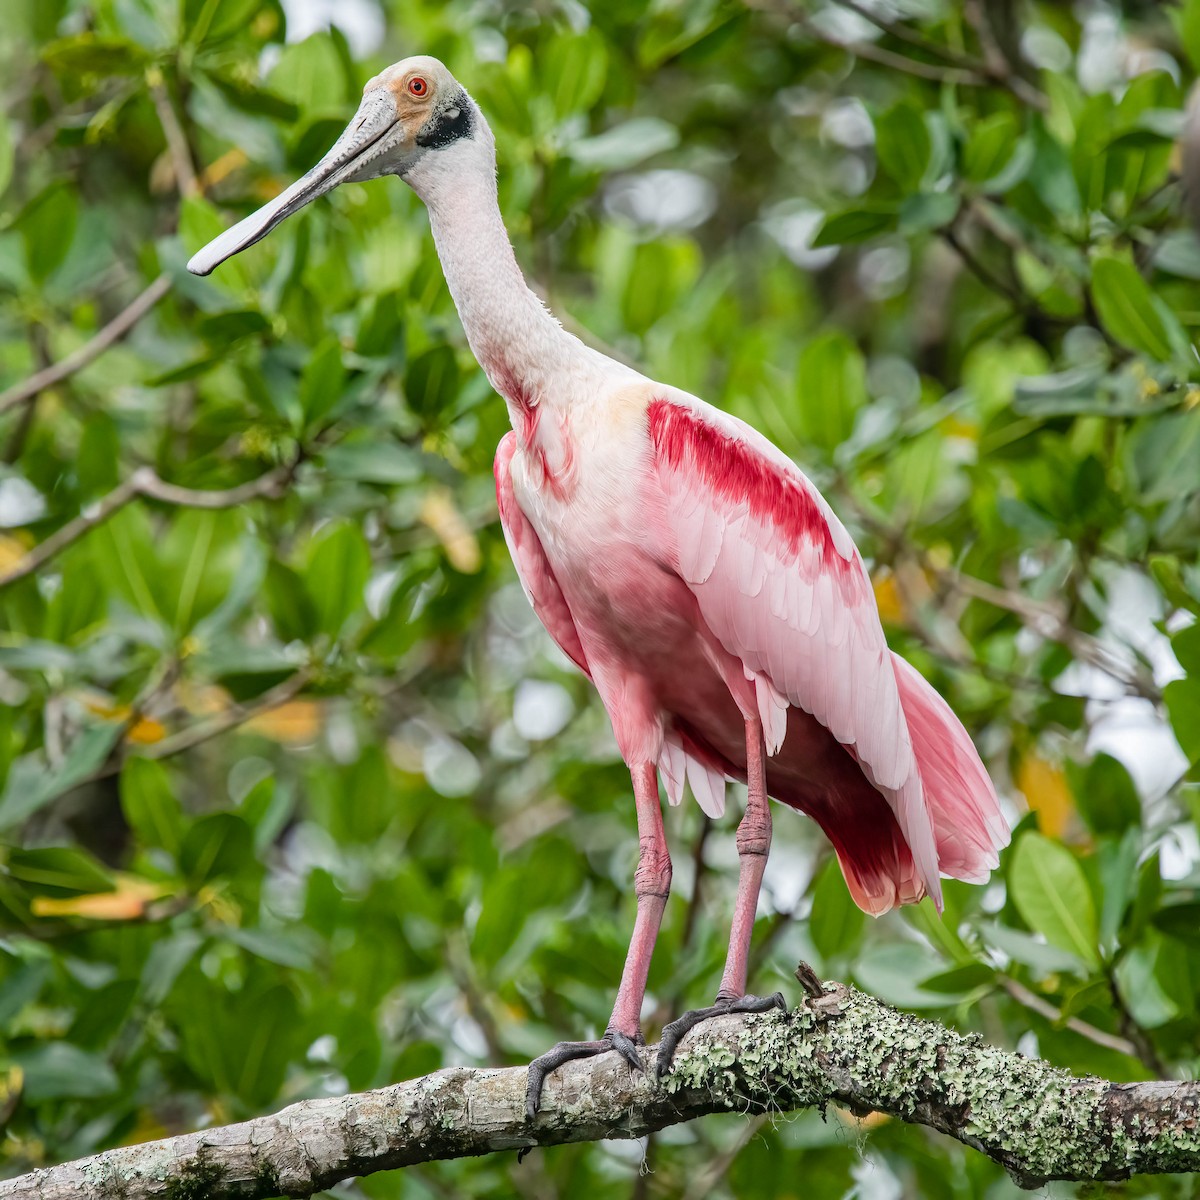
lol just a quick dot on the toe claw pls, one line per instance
(565, 1052)
(626, 1047)
(674, 1032)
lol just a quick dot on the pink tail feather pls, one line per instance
(967, 822)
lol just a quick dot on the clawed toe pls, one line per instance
(566, 1052)
(673, 1033)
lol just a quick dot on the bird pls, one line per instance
(689, 568)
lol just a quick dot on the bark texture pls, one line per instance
(847, 1048)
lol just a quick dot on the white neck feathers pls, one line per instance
(525, 352)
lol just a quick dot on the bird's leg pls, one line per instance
(652, 884)
(753, 845)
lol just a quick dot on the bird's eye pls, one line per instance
(417, 86)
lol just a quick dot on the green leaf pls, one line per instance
(1105, 795)
(1180, 921)
(1189, 31)
(431, 382)
(925, 211)
(48, 224)
(573, 71)
(323, 381)
(625, 145)
(219, 845)
(311, 75)
(374, 461)
(990, 146)
(7, 153)
(1182, 697)
(960, 980)
(831, 387)
(59, 1070)
(854, 225)
(290, 604)
(58, 871)
(225, 328)
(1127, 310)
(31, 785)
(91, 54)
(286, 948)
(903, 144)
(149, 804)
(1186, 644)
(836, 923)
(1051, 893)
(339, 563)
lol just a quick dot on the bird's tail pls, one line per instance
(968, 827)
(967, 823)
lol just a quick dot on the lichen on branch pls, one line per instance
(1038, 1121)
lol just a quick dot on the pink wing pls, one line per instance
(782, 587)
(533, 568)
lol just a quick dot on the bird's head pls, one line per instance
(415, 120)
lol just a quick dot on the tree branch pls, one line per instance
(144, 482)
(113, 332)
(845, 1048)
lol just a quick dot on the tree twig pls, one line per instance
(231, 718)
(1035, 1003)
(144, 483)
(177, 143)
(113, 332)
(1038, 1121)
(995, 69)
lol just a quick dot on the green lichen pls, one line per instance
(1040, 1122)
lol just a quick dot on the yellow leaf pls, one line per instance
(12, 1080)
(146, 731)
(126, 902)
(867, 1121)
(12, 550)
(1047, 793)
(104, 706)
(957, 427)
(440, 514)
(888, 599)
(219, 168)
(296, 722)
(143, 731)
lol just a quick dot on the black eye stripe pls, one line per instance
(448, 124)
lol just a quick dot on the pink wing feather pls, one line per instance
(533, 568)
(781, 586)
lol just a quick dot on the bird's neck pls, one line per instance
(526, 354)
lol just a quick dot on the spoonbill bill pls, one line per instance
(687, 567)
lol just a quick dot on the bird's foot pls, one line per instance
(673, 1033)
(564, 1052)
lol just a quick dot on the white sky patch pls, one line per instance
(20, 502)
(540, 709)
(662, 200)
(361, 21)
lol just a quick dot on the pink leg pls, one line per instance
(753, 844)
(652, 884)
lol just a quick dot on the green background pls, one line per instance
(299, 797)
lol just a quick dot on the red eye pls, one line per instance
(417, 86)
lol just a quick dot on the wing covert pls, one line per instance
(782, 587)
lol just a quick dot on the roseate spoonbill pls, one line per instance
(687, 567)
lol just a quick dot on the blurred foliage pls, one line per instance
(299, 797)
